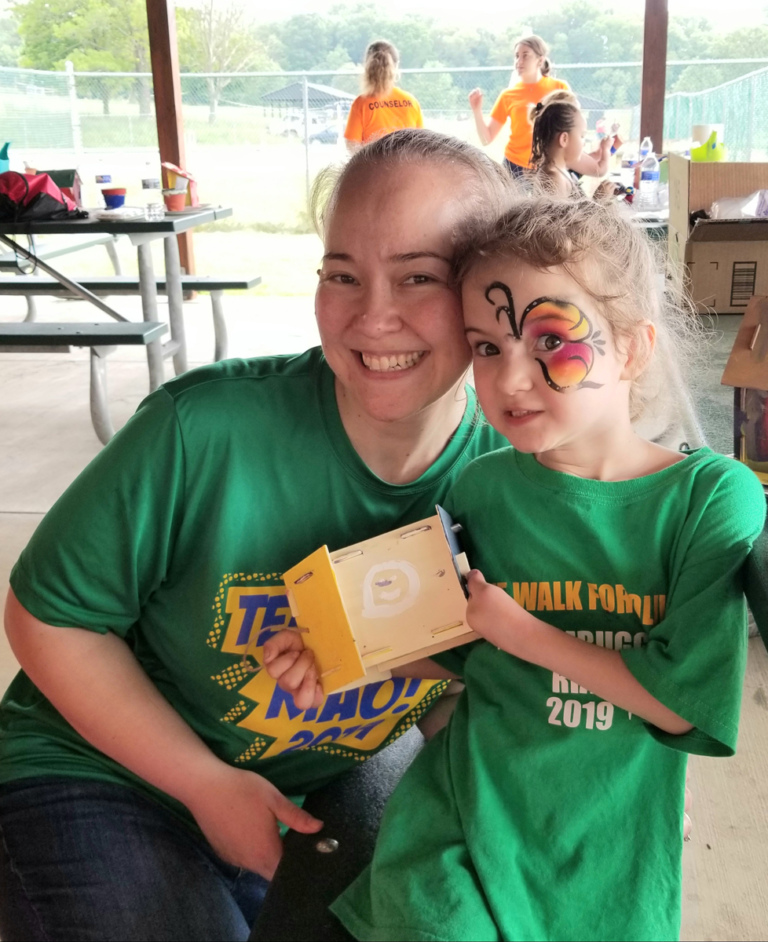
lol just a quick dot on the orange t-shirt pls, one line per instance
(513, 103)
(371, 117)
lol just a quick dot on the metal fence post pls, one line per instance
(305, 95)
(74, 111)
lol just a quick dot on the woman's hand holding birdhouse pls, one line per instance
(293, 668)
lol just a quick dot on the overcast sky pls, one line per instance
(725, 14)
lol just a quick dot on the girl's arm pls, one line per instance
(499, 619)
(98, 686)
(488, 130)
(594, 164)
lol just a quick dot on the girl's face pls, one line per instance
(573, 143)
(390, 322)
(548, 374)
(527, 63)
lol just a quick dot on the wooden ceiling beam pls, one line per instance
(654, 78)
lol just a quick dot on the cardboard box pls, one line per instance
(724, 261)
(747, 371)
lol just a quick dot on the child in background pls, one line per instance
(611, 598)
(558, 143)
(382, 108)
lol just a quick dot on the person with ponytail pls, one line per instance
(533, 68)
(558, 146)
(383, 107)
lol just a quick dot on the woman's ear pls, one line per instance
(639, 350)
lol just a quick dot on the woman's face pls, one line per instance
(389, 320)
(527, 63)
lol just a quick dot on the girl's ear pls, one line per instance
(562, 139)
(639, 350)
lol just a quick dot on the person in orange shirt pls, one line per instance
(533, 67)
(382, 108)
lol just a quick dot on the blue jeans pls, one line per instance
(515, 169)
(97, 861)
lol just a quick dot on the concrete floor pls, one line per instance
(47, 439)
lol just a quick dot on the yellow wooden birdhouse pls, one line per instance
(367, 608)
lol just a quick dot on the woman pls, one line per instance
(144, 759)
(533, 67)
(382, 108)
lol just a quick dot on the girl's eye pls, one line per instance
(486, 349)
(549, 342)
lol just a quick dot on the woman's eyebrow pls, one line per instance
(413, 256)
(337, 257)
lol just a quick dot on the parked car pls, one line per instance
(329, 135)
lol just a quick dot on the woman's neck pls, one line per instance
(400, 451)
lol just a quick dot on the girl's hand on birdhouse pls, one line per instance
(292, 666)
(498, 618)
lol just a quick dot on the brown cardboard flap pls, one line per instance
(694, 186)
(747, 365)
(730, 230)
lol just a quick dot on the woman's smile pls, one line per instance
(391, 362)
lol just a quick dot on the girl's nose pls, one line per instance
(516, 373)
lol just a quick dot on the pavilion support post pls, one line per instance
(654, 72)
(163, 48)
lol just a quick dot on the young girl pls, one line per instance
(611, 600)
(382, 108)
(558, 143)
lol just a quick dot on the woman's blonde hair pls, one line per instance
(539, 48)
(613, 260)
(380, 68)
(489, 185)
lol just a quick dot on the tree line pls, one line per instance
(220, 37)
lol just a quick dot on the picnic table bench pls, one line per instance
(126, 284)
(102, 338)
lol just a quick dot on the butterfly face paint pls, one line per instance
(559, 331)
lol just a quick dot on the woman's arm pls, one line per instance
(99, 687)
(499, 619)
(487, 130)
(292, 667)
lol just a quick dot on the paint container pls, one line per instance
(114, 197)
(175, 200)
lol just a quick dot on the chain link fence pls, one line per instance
(256, 140)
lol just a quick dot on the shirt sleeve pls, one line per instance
(500, 111)
(695, 657)
(105, 545)
(354, 129)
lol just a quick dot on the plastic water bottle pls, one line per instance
(152, 194)
(648, 196)
(646, 147)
